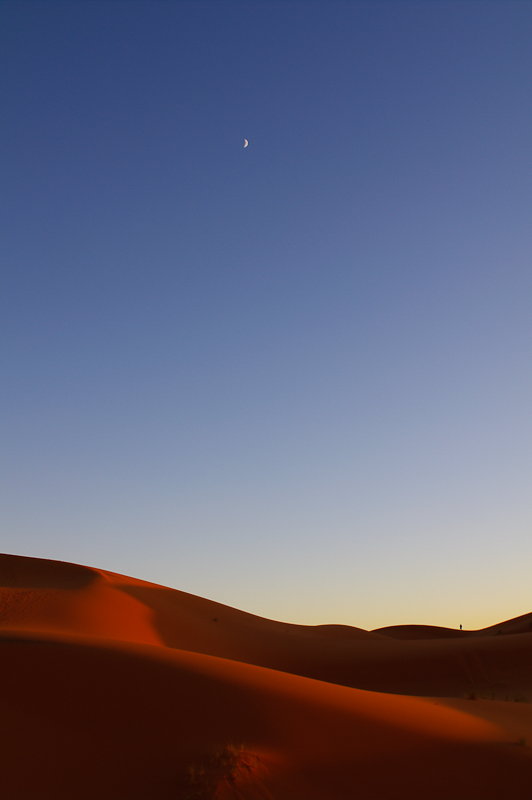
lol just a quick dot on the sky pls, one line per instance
(294, 378)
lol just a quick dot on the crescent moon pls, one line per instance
(246, 142)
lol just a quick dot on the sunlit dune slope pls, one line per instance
(56, 597)
(91, 718)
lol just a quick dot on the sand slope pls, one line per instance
(114, 688)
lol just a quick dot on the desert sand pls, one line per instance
(115, 688)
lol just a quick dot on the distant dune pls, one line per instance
(116, 688)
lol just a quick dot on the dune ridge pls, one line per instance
(119, 687)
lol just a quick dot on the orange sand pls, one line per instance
(113, 688)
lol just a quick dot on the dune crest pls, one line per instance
(521, 624)
(22, 572)
(119, 688)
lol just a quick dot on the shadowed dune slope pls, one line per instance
(114, 688)
(97, 718)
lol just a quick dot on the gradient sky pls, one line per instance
(293, 378)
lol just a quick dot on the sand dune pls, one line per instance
(117, 688)
(522, 624)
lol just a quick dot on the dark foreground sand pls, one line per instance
(115, 688)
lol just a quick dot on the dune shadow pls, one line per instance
(176, 614)
(22, 572)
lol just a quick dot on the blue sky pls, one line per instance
(294, 378)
